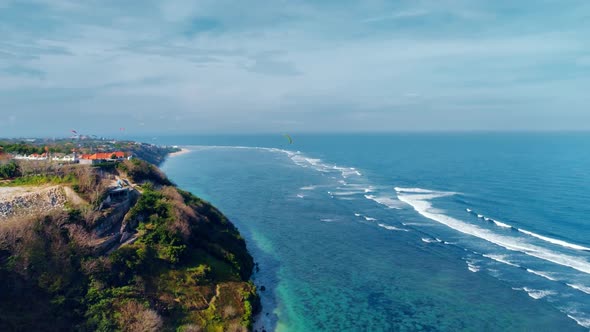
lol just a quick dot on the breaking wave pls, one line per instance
(583, 321)
(421, 202)
(538, 294)
(392, 228)
(389, 202)
(554, 241)
(541, 274)
(472, 267)
(429, 240)
(501, 259)
(581, 288)
(551, 240)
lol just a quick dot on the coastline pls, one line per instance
(179, 153)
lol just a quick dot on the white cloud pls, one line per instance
(324, 58)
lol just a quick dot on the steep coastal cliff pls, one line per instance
(119, 248)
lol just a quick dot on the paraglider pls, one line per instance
(289, 138)
(76, 135)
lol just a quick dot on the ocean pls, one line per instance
(405, 232)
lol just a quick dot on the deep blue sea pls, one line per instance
(406, 232)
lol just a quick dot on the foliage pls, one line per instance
(9, 170)
(21, 148)
(44, 265)
(140, 171)
(37, 180)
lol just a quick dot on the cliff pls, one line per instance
(119, 249)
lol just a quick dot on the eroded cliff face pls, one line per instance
(23, 201)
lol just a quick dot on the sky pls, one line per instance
(218, 66)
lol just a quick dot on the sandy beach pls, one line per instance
(181, 152)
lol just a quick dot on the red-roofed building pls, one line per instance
(104, 155)
(101, 156)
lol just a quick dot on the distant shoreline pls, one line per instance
(178, 153)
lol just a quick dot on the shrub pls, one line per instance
(135, 317)
(9, 170)
(140, 171)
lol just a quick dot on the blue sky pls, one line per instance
(291, 66)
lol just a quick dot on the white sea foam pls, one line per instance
(535, 235)
(392, 228)
(391, 203)
(317, 164)
(417, 224)
(545, 275)
(538, 293)
(488, 219)
(369, 218)
(308, 188)
(413, 190)
(421, 203)
(356, 187)
(304, 161)
(501, 259)
(344, 193)
(554, 241)
(497, 223)
(300, 195)
(501, 224)
(430, 240)
(581, 288)
(472, 267)
(347, 171)
(582, 321)
(328, 220)
(357, 214)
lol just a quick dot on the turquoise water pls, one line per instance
(406, 232)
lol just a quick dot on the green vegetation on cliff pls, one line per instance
(171, 262)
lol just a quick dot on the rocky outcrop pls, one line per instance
(31, 203)
(115, 214)
(113, 225)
